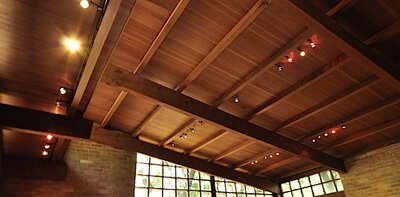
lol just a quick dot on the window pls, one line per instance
(325, 182)
(228, 188)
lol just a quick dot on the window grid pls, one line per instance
(245, 193)
(289, 189)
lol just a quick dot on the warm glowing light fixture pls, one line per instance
(277, 154)
(84, 4)
(47, 146)
(63, 90)
(44, 153)
(235, 99)
(72, 44)
(49, 137)
(279, 67)
(302, 53)
(333, 131)
(312, 43)
(343, 126)
(289, 59)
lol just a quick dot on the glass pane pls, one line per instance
(194, 194)
(339, 185)
(307, 192)
(142, 169)
(169, 193)
(241, 195)
(240, 188)
(260, 195)
(142, 158)
(335, 174)
(155, 182)
(315, 179)
(220, 186)
(169, 171)
(231, 195)
(219, 178)
(295, 184)
(230, 187)
(297, 193)
(206, 185)
(182, 183)
(181, 172)
(193, 174)
(155, 193)
(251, 195)
(250, 189)
(329, 187)
(139, 192)
(182, 193)
(141, 181)
(169, 183)
(325, 176)
(288, 194)
(304, 182)
(285, 187)
(318, 190)
(205, 194)
(259, 191)
(155, 161)
(221, 195)
(204, 176)
(194, 185)
(156, 170)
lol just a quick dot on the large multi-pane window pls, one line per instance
(228, 188)
(322, 183)
(157, 178)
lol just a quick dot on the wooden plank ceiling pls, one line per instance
(214, 51)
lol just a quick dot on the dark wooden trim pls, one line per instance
(1, 155)
(127, 142)
(60, 149)
(340, 8)
(385, 33)
(134, 84)
(44, 122)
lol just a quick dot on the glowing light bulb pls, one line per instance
(344, 127)
(252, 163)
(271, 156)
(277, 154)
(44, 153)
(289, 59)
(63, 90)
(192, 130)
(333, 131)
(256, 161)
(326, 134)
(72, 44)
(49, 137)
(84, 4)
(302, 53)
(47, 146)
(235, 99)
(319, 137)
(312, 44)
(313, 140)
(279, 67)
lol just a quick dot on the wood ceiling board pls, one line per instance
(356, 71)
(293, 132)
(132, 111)
(385, 89)
(23, 144)
(265, 121)
(101, 101)
(287, 169)
(382, 115)
(389, 48)
(283, 111)
(244, 153)
(217, 146)
(164, 123)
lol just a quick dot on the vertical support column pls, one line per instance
(213, 190)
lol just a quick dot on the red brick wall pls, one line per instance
(93, 170)
(376, 173)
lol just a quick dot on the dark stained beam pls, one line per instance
(300, 85)
(277, 165)
(362, 134)
(340, 8)
(1, 155)
(349, 43)
(127, 142)
(43, 122)
(207, 141)
(134, 84)
(252, 14)
(362, 113)
(329, 102)
(60, 149)
(385, 33)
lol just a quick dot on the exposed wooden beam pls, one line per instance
(113, 108)
(207, 141)
(385, 33)
(253, 158)
(173, 17)
(362, 134)
(277, 165)
(360, 114)
(60, 149)
(295, 171)
(249, 17)
(329, 102)
(348, 42)
(44, 123)
(1, 154)
(138, 130)
(134, 84)
(271, 61)
(99, 40)
(340, 7)
(177, 131)
(300, 85)
(232, 150)
(126, 142)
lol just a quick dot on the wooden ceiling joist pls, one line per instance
(252, 14)
(385, 33)
(340, 7)
(113, 108)
(179, 8)
(358, 115)
(124, 80)
(44, 123)
(253, 158)
(177, 131)
(300, 85)
(126, 142)
(138, 130)
(362, 134)
(232, 150)
(271, 61)
(277, 165)
(207, 141)
(329, 102)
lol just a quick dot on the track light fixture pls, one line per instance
(49, 137)
(289, 59)
(47, 146)
(86, 3)
(192, 129)
(279, 67)
(302, 53)
(45, 153)
(312, 44)
(235, 99)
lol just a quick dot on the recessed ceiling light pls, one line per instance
(63, 90)
(84, 4)
(72, 44)
(49, 137)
